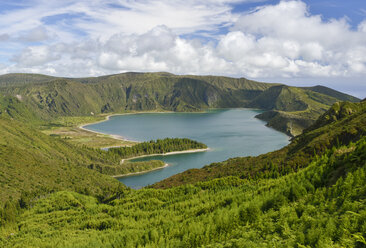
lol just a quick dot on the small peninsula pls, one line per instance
(165, 146)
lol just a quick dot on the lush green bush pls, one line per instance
(342, 124)
(159, 146)
(323, 205)
(128, 167)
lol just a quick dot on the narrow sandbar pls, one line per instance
(140, 172)
(168, 153)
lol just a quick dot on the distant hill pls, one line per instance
(291, 109)
(18, 79)
(330, 92)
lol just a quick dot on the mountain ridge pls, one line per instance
(291, 108)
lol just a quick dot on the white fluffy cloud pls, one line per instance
(272, 41)
(36, 56)
(299, 44)
(159, 49)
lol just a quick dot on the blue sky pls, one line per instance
(296, 42)
(355, 10)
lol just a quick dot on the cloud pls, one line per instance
(288, 41)
(4, 37)
(37, 34)
(35, 56)
(235, 45)
(159, 49)
(159, 38)
(104, 18)
(270, 42)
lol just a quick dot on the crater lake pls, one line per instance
(227, 132)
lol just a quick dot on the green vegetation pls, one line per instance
(53, 192)
(35, 163)
(22, 79)
(128, 167)
(292, 109)
(78, 136)
(157, 147)
(330, 92)
(144, 149)
(341, 124)
(69, 127)
(320, 206)
(12, 108)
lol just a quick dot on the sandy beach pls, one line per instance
(114, 136)
(124, 139)
(167, 154)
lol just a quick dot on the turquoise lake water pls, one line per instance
(228, 133)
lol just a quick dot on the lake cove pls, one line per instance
(228, 133)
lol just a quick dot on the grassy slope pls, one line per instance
(64, 127)
(68, 127)
(22, 79)
(292, 109)
(31, 161)
(321, 206)
(342, 123)
(13, 108)
(331, 92)
(303, 208)
(79, 136)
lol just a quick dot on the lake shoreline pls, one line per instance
(140, 172)
(115, 136)
(168, 153)
(119, 137)
(157, 154)
(227, 139)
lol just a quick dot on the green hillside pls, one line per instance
(37, 163)
(323, 205)
(343, 123)
(331, 92)
(290, 109)
(18, 79)
(13, 108)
